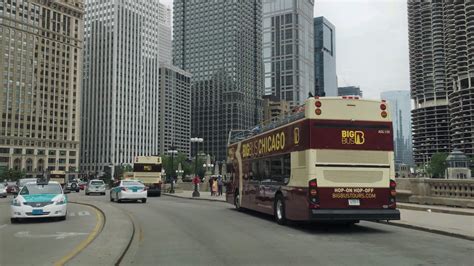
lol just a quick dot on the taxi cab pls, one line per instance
(128, 190)
(39, 200)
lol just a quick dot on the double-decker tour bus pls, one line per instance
(147, 169)
(330, 161)
(58, 176)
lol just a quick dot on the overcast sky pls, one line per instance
(371, 42)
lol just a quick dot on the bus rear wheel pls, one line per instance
(280, 215)
(237, 201)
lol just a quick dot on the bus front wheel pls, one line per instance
(280, 215)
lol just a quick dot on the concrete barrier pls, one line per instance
(457, 193)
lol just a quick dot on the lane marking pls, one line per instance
(83, 213)
(93, 234)
(58, 235)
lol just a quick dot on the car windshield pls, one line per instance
(132, 183)
(24, 181)
(33, 189)
(97, 183)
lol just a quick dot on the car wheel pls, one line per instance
(111, 199)
(87, 193)
(158, 194)
(279, 207)
(143, 200)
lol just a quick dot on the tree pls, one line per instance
(437, 165)
(12, 175)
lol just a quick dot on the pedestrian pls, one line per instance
(214, 186)
(211, 181)
(220, 184)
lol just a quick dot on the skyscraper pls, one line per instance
(349, 91)
(441, 72)
(40, 76)
(288, 48)
(325, 78)
(175, 109)
(219, 42)
(400, 107)
(165, 34)
(121, 82)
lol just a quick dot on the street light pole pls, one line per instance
(196, 140)
(173, 151)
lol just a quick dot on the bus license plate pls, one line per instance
(354, 202)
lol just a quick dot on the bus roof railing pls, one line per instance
(242, 134)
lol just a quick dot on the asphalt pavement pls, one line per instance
(174, 231)
(43, 241)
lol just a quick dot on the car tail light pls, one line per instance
(393, 194)
(383, 106)
(383, 114)
(318, 111)
(317, 104)
(313, 194)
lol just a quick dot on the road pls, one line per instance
(186, 232)
(172, 231)
(43, 241)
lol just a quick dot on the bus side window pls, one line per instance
(254, 171)
(286, 168)
(264, 170)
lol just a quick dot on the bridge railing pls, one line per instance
(459, 193)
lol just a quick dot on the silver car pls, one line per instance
(95, 186)
(3, 191)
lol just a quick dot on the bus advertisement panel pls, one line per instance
(334, 161)
(148, 169)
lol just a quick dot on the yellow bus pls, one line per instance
(330, 161)
(147, 169)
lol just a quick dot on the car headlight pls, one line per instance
(61, 201)
(16, 202)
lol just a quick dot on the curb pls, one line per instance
(176, 196)
(92, 235)
(429, 230)
(434, 209)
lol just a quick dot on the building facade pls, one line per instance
(325, 77)
(41, 45)
(165, 34)
(400, 108)
(441, 74)
(220, 44)
(120, 99)
(175, 109)
(288, 48)
(459, 47)
(349, 91)
(273, 109)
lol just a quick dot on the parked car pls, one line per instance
(3, 191)
(132, 190)
(96, 186)
(38, 200)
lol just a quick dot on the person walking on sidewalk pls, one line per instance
(214, 187)
(210, 185)
(220, 184)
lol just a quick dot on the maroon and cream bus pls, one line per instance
(331, 161)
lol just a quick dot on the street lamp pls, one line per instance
(173, 151)
(196, 140)
(208, 166)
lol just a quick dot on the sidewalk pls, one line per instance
(458, 222)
